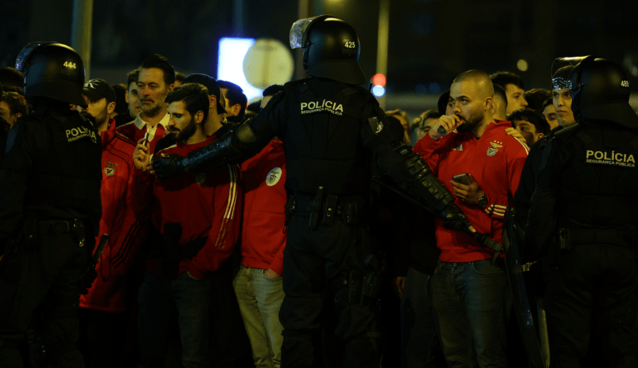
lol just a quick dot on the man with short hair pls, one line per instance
(102, 318)
(514, 89)
(216, 111)
(12, 107)
(499, 111)
(155, 80)
(179, 79)
(530, 124)
(236, 101)
(563, 98)
(258, 284)
(189, 241)
(12, 78)
(549, 112)
(468, 287)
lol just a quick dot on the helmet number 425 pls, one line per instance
(350, 45)
(69, 64)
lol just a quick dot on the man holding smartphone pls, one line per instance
(479, 162)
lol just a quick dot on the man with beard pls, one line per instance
(195, 229)
(155, 80)
(101, 314)
(468, 285)
(236, 101)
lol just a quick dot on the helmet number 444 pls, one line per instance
(69, 64)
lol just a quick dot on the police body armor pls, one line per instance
(324, 146)
(68, 175)
(597, 191)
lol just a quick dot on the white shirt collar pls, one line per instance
(140, 124)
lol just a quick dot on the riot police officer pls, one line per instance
(333, 131)
(586, 198)
(49, 205)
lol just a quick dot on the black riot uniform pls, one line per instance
(333, 133)
(49, 205)
(586, 199)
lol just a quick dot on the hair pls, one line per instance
(121, 107)
(179, 77)
(131, 77)
(542, 126)
(549, 101)
(273, 90)
(442, 103)
(11, 77)
(504, 78)
(17, 103)
(479, 77)
(535, 98)
(420, 121)
(194, 95)
(562, 73)
(498, 90)
(160, 62)
(235, 95)
(398, 112)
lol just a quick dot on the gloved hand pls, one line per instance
(169, 165)
(87, 280)
(454, 218)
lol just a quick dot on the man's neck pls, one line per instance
(103, 127)
(212, 124)
(198, 137)
(482, 126)
(153, 120)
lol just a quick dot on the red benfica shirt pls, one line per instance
(118, 221)
(205, 204)
(262, 239)
(136, 129)
(496, 161)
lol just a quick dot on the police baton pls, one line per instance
(104, 239)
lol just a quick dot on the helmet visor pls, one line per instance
(298, 31)
(560, 71)
(26, 51)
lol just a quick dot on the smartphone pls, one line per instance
(145, 138)
(462, 178)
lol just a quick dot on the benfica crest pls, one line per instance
(273, 176)
(109, 170)
(494, 146)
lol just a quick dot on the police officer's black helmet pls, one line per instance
(52, 70)
(600, 91)
(330, 48)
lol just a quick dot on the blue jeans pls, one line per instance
(469, 301)
(192, 297)
(259, 299)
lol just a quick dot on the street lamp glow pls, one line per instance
(522, 65)
(378, 91)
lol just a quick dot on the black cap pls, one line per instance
(210, 83)
(97, 89)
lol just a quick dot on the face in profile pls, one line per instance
(515, 98)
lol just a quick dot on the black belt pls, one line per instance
(350, 209)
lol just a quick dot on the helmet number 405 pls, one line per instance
(350, 45)
(69, 64)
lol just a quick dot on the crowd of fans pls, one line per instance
(207, 289)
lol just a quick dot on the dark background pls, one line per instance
(431, 41)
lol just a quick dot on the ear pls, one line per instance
(199, 117)
(18, 115)
(489, 103)
(539, 136)
(126, 96)
(235, 109)
(213, 102)
(110, 107)
(170, 87)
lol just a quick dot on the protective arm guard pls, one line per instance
(216, 153)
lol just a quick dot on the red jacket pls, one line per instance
(136, 129)
(262, 238)
(205, 206)
(496, 161)
(119, 221)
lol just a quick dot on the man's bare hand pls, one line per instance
(269, 273)
(468, 193)
(448, 122)
(141, 157)
(516, 134)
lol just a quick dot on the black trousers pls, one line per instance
(48, 272)
(596, 281)
(317, 262)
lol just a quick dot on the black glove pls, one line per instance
(87, 280)
(454, 218)
(169, 166)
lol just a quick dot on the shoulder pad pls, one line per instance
(293, 84)
(567, 132)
